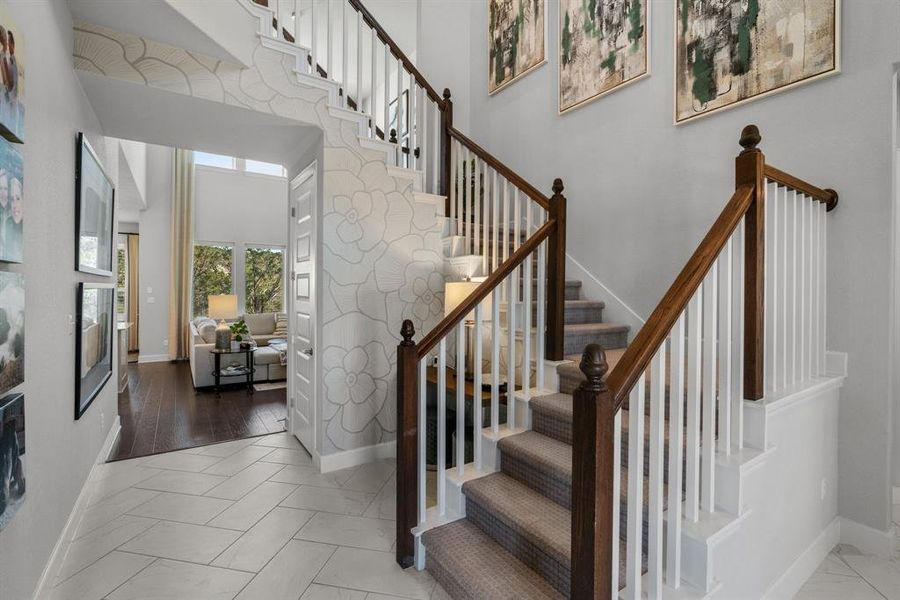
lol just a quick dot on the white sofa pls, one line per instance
(267, 361)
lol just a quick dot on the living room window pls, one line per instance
(214, 160)
(213, 274)
(263, 279)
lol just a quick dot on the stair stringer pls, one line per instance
(378, 243)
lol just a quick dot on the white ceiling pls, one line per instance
(137, 112)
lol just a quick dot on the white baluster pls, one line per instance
(710, 330)
(771, 284)
(387, 92)
(461, 397)
(476, 206)
(495, 360)
(737, 353)
(423, 438)
(345, 55)
(359, 61)
(817, 290)
(279, 20)
(442, 428)
(463, 194)
(329, 42)
(507, 217)
(800, 315)
(495, 219)
(809, 305)
(314, 41)
(512, 295)
(823, 250)
(297, 22)
(526, 316)
(656, 474)
(373, 65)
(476, 389)
(634, 536)
(541, 306)
(692, 463)
(676, 451)
(790, 238)
(616, 500)
(436, 140)
(414, 125)
(724, 364)
(451, 189)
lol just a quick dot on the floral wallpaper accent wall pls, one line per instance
(381, 249)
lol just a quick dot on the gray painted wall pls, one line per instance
(155, 255)
(59, 450)
(642, 192)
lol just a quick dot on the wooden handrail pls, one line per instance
(397, 52)
(530, 191)
(827, 196)
(640, 352)
(487, 286)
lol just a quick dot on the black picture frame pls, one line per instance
(89, 383)
(87, 162)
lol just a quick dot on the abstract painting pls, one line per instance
(12, 456)
(516, 38)
(12, 79)
(732, 51)
(12, 330)
(603, 45)
(11, 202)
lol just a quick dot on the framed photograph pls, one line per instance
(517, 40)
(94, 212)
(12, 456)
(603, 46)
(12, 79)
(96, 313)
(731, 51)
(12, 207)
(12, 330)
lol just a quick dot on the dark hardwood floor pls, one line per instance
(161, 411)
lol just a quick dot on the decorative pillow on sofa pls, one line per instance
(207, 331)
(263, 323)
(281, 325)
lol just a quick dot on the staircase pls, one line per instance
(545, 507)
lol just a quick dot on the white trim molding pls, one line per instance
(867, 539)
(790, 582)
(357, 456)
(153, 358)
(57, 555)
(616, 310)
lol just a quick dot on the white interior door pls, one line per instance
(302, 354)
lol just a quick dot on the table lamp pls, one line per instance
(223, 306)
(455, 293)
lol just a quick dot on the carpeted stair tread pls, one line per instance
(471, 566)
(525, 512)
(585, 328)
(543, 452)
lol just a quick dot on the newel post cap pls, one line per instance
(594, 366)
(750, 138)
(407, 331)
(393, 138)
(558, 186)
(832, 201)
(446, 93)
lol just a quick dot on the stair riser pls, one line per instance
(555, 572)
(575, 343)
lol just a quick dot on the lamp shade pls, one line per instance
(223, 306)
(456, 292)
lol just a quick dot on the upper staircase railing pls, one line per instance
(744, 318)
(516, 231)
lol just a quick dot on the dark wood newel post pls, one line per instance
(592, 481)
(556, 275)
(407, 453)
(750, 167)
(446, 126)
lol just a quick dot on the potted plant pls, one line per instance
(238, 331)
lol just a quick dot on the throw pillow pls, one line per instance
(260, 324)
(281, 325)
(207, 331)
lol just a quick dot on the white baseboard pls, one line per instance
(896, 498)
(616, 311)
(357, 456)
(792, 580)
(153, 358)
(867, 539)
(50, 569)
